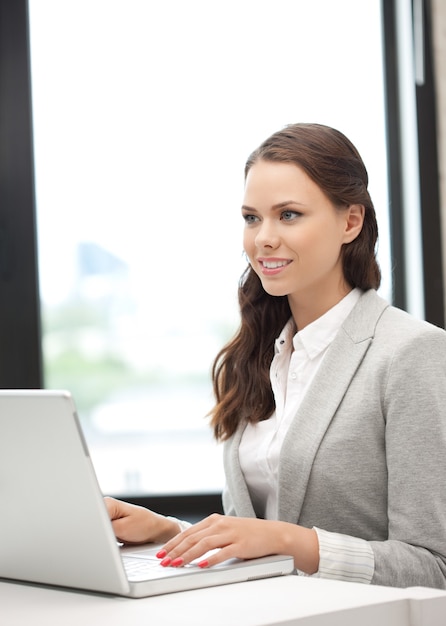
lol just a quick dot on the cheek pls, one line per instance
(323, 238)
(248, 242)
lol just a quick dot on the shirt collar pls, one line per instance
(318, 335)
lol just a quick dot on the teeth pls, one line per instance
(271, 265)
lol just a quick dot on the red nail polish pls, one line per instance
(161, 554)
(203, 564)
(177, 562)
(165, 562)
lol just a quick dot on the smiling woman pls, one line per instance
(140, 140)
(322, 376)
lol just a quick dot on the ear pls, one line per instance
(354, 219)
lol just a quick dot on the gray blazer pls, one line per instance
(366, 452)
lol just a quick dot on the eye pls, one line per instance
(288, 216)
(250, 219)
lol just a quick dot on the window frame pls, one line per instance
(20, 330)
(428, 165)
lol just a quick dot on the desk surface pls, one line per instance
(287, 600)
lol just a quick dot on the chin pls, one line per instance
(275, 291)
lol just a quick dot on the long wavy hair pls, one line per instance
(240, 371)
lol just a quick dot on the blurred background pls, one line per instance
(144, 114)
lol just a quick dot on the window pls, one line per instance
(144, 114)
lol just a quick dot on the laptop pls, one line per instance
(54, 526)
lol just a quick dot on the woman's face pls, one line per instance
(293, 237)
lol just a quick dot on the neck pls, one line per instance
(306, 309)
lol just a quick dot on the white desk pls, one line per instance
(287, 601)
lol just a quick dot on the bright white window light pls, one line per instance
(144, 114)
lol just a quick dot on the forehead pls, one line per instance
(272, 182)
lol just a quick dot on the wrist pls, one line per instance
(302, 544)
(182, 525)
(168, 527)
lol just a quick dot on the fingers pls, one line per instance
(116, 508)
(208, 560)
(134, 524)
(190, 537)
(198, 555)
(212, 521)
(129, 521)
(209, 542)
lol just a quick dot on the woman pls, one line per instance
(331, 403)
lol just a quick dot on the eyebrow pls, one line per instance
(276, 207)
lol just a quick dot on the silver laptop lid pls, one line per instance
(54, 525)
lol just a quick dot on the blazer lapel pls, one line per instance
(321, 402)
(235, 481)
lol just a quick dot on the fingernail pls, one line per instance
(177, 562)
(203, 564)
(165, 562)
(161, 554)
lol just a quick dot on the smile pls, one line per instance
(272, 265)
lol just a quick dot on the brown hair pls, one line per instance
(240, 371)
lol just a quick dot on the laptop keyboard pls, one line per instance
(137, 568)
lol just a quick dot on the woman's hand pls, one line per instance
(243, 538)
(134, 524)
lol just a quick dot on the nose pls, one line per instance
(267, 236)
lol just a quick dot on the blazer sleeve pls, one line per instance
(414, 402)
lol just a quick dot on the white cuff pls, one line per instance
(343, 557)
